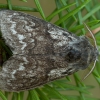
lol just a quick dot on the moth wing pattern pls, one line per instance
(42, 52)
(24, 33)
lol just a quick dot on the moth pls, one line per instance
(42, 52)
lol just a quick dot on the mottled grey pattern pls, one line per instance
(42, 52)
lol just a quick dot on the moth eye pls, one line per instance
(73, 55)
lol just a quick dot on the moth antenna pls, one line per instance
(96, 48)
(91, 70)
(92, 36)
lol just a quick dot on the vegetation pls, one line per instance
(71, 15)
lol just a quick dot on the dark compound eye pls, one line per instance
(73, 55)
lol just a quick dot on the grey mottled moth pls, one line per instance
(42, 52)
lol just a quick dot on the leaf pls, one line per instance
(2, 96)
(73, 12)
(40, 9)
(94, 10)
(42, 95)
(58, 11)
(24, 0)
(51, 91)
(33, 95)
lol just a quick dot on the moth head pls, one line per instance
(80, 53)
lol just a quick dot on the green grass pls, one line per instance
(71, 16)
